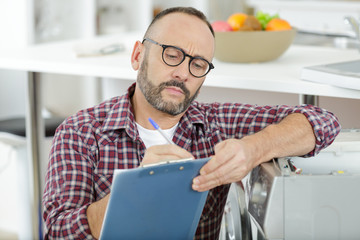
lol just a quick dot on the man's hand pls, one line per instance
(235, 158)
(159, 153)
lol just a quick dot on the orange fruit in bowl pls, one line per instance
(237, 20)
(278, 24)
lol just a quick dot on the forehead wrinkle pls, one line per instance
(187, 52)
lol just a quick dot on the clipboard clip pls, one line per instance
(166, 162)
(152, 172)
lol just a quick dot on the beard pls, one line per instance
(152, 92)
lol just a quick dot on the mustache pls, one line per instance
(175, 83)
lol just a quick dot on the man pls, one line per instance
(172, 62)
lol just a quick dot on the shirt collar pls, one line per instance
(121, 115)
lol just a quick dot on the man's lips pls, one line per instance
(175, 90)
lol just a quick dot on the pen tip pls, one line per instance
(153, 123)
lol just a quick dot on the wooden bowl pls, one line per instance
(252, 46)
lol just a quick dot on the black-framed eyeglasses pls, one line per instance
(174, 56)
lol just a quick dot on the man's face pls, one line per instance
(153, 92)
(172, 89)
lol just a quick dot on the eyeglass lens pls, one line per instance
(174, 56)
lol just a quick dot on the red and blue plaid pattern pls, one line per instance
(90, 145)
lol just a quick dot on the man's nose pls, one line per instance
(181, 72)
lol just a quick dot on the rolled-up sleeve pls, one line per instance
(325, 125)
(238, 120)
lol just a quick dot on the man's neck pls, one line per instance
(143, 110)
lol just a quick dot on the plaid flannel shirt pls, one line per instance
(90, 145)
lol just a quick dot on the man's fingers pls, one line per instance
(222, 175)
(166, 152)
(222, 156)
(169, 149)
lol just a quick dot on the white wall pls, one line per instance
(66, 19)
(15, 16)
(61, 20)
(64, 95)
(12, 94)
(347, 110)
(14, 23)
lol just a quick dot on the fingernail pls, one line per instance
(196, 181)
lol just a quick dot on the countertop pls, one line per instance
(281, 75)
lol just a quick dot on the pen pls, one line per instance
(160, 131)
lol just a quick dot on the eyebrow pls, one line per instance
(189, 54)
(170, 45)
(195, 55)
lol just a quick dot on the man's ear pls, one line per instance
(137, 55)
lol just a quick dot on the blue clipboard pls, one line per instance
(155, 202)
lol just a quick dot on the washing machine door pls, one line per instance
(235, 223)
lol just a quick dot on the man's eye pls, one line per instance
(173, 53)
(172, 56)
(199, 64)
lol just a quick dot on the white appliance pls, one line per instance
(299, 198)
(314, 198)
